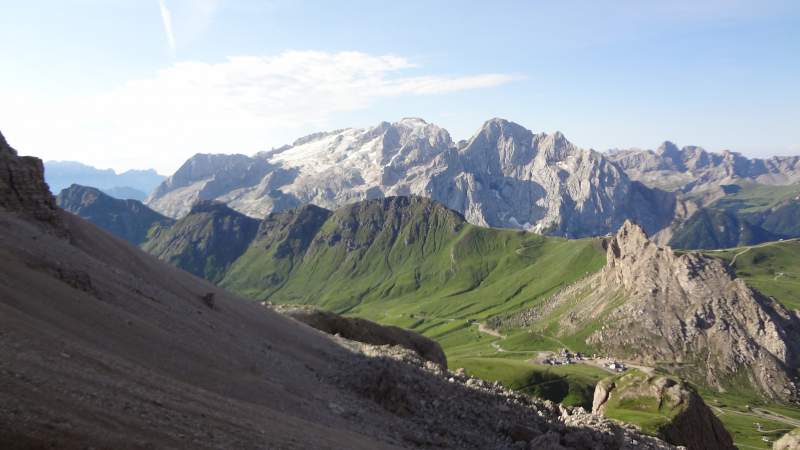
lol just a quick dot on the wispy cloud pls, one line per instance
(166, 19)
(239, 105)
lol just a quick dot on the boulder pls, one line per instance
(664, 406)
(789, 441)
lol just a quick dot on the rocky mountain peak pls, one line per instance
(413, 122)
(6, 149)
(692, 308)
(496, 128)
(629, 242)
(555, 147)
(668, 149)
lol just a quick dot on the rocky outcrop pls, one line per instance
(129, 219)
(22, 186)
(789, 441)
(504, 176)
(685, 419)
(689, 310)
(366, 331)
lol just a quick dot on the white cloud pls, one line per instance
(166, 19)
(239, 105)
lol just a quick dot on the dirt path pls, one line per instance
(761, 414)
(748, 248)
(492, 332)
(496, 345)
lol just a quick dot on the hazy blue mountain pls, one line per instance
(126, 193)
(133, 184)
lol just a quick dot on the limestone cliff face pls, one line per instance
(691, 311)
(22, 186)
(507, 176)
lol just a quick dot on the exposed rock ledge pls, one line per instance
(366, 331)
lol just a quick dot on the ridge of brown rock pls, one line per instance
(22, 186)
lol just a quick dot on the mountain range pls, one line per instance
(503, 176)
(692, 168)
(131, 184)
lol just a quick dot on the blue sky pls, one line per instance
(135, 84)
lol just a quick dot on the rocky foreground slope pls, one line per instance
(104, 346)
(687, 312)
(504, 176)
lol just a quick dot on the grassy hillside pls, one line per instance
(205, 242)
(408, 262)
(773, 268)
(571, 385)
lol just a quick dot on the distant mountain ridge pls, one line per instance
(504, 176)
(131, 184)
(692, 168)
(128, 219)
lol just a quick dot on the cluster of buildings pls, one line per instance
(565, 357)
